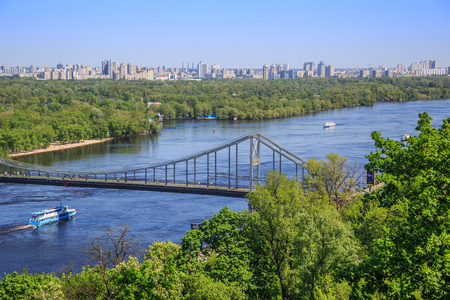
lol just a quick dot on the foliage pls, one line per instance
(111, 249)
(35, 113)
(334, 178)
(202, 287)
(303, 244)
(88, 284)
(278, 206)
(30, 286)
(322, 246)
(411, 259)
(220, 249)
(156, 278)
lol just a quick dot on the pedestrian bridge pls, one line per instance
(232, 169)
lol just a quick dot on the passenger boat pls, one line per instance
(328, 124)
(52, 215)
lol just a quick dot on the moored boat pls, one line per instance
(328, 124)
(52, 215)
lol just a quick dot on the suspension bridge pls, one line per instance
(231, 169)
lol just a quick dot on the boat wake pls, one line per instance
(12, 228)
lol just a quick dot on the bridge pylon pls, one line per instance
(255, 160)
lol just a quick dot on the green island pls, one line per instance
(314, 239)
(37, 113)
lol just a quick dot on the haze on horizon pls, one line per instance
(243, 34)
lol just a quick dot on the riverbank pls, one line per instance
(57, 146)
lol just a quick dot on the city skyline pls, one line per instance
(232, 34)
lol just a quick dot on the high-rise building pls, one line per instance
(364, 73)
(113, 68)
(401, 68)
(105, 65)
(215, 68)
(433, 64)
(321, 69)
(273, 69)
(60, 66)
(329, 71)
(202, 70)
(266, 72)
(131, 69)
(309, 66)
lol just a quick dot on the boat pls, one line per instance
(52, 215)
(160, 117)
(207, 117)
(328, 124)
(405, 137)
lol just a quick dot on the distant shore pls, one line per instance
(57, 146)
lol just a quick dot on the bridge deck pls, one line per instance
(129, 185)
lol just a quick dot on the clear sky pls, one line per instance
(231, 33)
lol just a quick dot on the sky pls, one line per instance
(231, 33)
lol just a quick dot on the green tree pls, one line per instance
(413, 256)
(88, 284)
(110, 249)
(222, 246)
(202, 287)
(334, 178)
(30, 286)
(323, 245)
(156, 278)
(299, 245)
(277, 207)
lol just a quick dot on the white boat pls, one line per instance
(405, 137)
(52, 215)
(328, 124)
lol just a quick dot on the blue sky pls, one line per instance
(242, 34)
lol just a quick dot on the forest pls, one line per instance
(36, 113)
(314, 239)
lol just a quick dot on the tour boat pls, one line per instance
(328, 124)
(52, 215)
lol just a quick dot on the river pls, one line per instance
(163, 216)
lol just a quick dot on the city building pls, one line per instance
(309, 69)
(266, 72)
(321, 69)
(202, 70)
(329, 71)
(364, 73)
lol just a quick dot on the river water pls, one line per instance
(164, 216)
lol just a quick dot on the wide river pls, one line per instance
(164, 216)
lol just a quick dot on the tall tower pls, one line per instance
(321, 69)
(329, 71)
(309, 68)
(202, 69)
(266, 72)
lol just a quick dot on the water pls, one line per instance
(163, 216)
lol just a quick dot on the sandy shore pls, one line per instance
(56, 146)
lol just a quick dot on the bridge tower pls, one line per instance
(254, 160)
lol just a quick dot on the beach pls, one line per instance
(57, 146)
